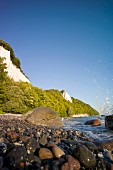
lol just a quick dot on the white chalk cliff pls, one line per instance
(66, 96)
(12, 70)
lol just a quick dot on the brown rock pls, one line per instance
(57, 133)
(65, 166)
(57, 152)
(12, 135)
(24, 138)
(43, 116)
(106, 145)
(73, 163)
(45, 153)
(94, 122)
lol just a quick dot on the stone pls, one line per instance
(24, 138)
(12, 136)
(31, 145)
(91, 146)
(57, 152)
(94, 122)
(3, 148)
(65, 166)
(45, 153)
(85, 156)
(1, 162)
(106, 145)
(43, 116)
(16, 155)
(43, 141)
(109, 122)
(32, 158)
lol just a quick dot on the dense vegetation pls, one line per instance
(20, 97)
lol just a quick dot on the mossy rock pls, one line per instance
(43, 116)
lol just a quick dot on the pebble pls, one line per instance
(45, 153)
(57, 152)
(27, 147)
(85, 156)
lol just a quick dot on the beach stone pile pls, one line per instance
(25, 146)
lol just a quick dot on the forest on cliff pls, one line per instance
(20, 97)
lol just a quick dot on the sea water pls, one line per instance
(98, 133)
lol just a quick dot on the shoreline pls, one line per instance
(80, 115)
(26, 147)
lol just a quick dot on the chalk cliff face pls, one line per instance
(12, 70)
(66, 96)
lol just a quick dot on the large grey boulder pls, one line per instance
(43, 116)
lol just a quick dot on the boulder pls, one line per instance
(85, 156)
(94, 122)
(43, 116)
(109, 122)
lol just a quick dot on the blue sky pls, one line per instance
(63, 44)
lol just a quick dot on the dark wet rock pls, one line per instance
(45, 153)
(109, 122)
(108, 155)
(31, 145)
(57, 163)
(32, 158)
(43, 116)
(101, 165)
(3, 148)
(85, 156)
(94, 122)
(16, 155)
(65, 166)
(57, 151)
(4, 168)
(1, 162)
(91, 146)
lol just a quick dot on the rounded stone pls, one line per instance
(73, 163)
(45, 153)
(32, 158)
(91, 146)
(16, 155)
(57, 152)
(85, 156)
(94, 122)
(31, 145)
(43, 116)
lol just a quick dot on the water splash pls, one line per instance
(107, 108)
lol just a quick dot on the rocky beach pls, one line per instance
(28, 147)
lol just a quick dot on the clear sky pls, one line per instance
(63, 44)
